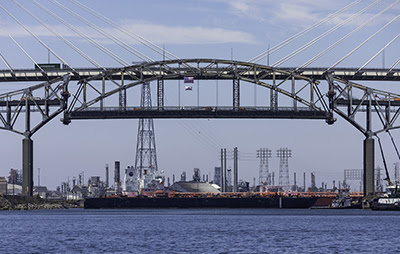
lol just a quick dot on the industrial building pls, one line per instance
(196, 185)
(3, 185)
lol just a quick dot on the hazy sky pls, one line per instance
(218, 29)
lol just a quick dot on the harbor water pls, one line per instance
(199, 231)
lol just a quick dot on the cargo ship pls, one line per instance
(201, 200)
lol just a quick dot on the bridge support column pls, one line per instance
(27, 166)
(369, 166)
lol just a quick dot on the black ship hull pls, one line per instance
(375, 205)
(200, 202)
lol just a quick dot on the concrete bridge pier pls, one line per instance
(369, 166)
(27, 166)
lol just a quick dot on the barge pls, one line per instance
(207, 200)
(200, 202)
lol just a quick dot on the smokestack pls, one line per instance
(235, 169)
(222, 171)
(224, 181)
(117, 182)
(107, 180)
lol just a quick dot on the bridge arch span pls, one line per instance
(300, 89)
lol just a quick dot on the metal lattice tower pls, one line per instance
(146, 155)
(284, 154)
(264, 177)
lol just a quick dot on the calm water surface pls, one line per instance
(199, 231)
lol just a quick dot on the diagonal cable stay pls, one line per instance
(301, 33)
(364, 24)
(364, 42)
(323, 35)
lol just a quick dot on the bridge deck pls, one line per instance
(210, 74)
(198, 112)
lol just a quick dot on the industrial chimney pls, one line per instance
(117, 181)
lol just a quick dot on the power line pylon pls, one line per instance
(146, 155)
(264, 177)
(284, 154)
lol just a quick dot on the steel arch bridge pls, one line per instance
(307, 94)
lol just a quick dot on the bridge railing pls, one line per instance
(199, 108)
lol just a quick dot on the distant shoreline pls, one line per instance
(10, 203)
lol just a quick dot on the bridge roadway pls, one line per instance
(194, 112)
(197, 112)
(135, 73)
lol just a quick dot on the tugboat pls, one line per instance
(346, 201)
(389, 201)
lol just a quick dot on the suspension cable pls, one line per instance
(312, 42)
(91, 41)
(35, 36)
(394, 144)
(134, 36)
(60, 37)
(301, 33)
(6, 63)
(384, 161)
(347, 36)
(364, 42)
(26, 53)
(106, 34)
(394, 65)
(23, 51)
(380, 51)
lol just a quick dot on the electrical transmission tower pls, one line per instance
(284, 154)
(146, 156)
(264, 177)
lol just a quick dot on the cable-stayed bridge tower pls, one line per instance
(146, 155)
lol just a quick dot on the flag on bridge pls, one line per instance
(188, 79)
(188, 88)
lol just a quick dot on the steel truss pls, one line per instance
(347, 99)
(302, 90)
(39, 98)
